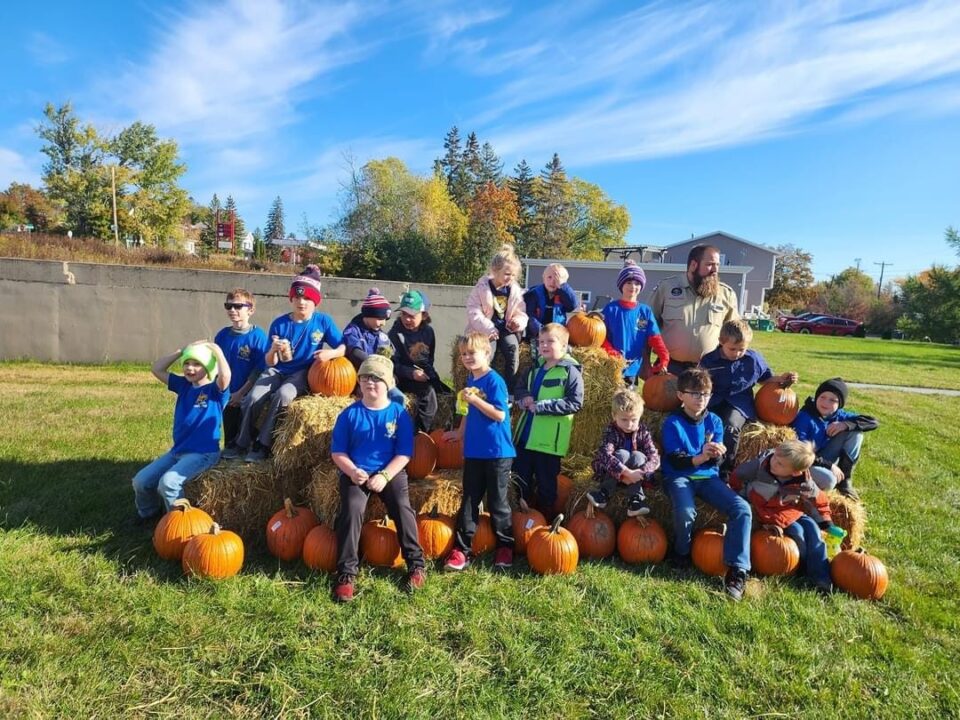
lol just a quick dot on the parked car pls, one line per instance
(825, 325)
(782, 320)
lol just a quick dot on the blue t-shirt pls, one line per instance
(628, 330)
(372, 438)
(244, 351)
(733, 380)
(682, 437)
(483, 438)
(197, 415)
(305, 338)
(810, 427)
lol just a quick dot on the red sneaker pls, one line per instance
(343, 590)
(503, 558)
(456, 560)
(415, 580)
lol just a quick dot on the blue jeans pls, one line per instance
(849, 443)
(813, 551)
(715, 492)
(160, 483)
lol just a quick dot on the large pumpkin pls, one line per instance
(660, 392)
(424, 458)
(587, 329)
(483, 538)
(320, 549)
(776, 405)
(215, 554)
(595, 533)
(332, 378)
(773, 553)
(641, 540)
(379, 544)
(707, 551)
(177, 527)
(860, 574)
(525, 521)
(564, 488)
(449, 452)
(287, 529)
(436, 534)
(553, 550)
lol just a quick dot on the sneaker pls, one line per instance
(415, 580)
(457, 560)
(824, 587)
(678, 561)
(232, 452)
(598, 498)
(735, 583)
(343, 590)
(503, 558)
(257, 453)
(636, 506)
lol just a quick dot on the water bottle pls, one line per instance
(833, 538)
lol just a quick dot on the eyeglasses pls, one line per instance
(697, 395)
(369, 378)
(235, 306)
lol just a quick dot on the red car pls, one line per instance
(825, 325)
(782, 320)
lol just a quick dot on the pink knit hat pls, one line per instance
(307, 284)
(375, 305)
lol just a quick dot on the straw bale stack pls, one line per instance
(851, 516)
(305, 432)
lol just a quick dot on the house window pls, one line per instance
(585, 296)
(723, 259)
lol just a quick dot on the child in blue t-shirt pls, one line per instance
(488, 454)
(632, 331)
(734, 370)
(202, 392)
(297, 338)
(244, 346)
(371, 445)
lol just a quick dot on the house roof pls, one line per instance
(727, 235)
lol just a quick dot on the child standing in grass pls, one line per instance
(549, 302)
(371, 445)
(626, 457)
(202, 392)
(693, 448)
(244, 346)
(488, 453)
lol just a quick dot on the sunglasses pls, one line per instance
(235, 306)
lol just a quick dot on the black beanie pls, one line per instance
(835, 385)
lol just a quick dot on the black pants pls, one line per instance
(531, 465)
(353, 501)
(508, 344)
(632, 460)
(426, 402)
(232, 416)
(733, 421)
(490, 477)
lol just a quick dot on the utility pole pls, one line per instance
(113, 184)
(857, 261)
(883, 266)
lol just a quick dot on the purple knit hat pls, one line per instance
(375, 305)
(307, 284)
(631, 272)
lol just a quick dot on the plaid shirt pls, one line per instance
(604, 462)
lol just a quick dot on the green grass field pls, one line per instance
(93, 624)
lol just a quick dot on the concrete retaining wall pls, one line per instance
(88, 312)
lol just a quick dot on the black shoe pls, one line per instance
(845, 488)
(257, 453)
(598, 498)
(735, 583)
(678, 561)
(233, 452)
(140, 521)
(637, 506)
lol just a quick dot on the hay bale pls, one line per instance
(458, 372)
(758, 437)
(305, 433)
(851, 516)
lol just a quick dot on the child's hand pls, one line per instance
(324, 355)
(835, 428)
(714, 450)
(514, 325)
(775, 529)
(631, 477)
(419, 375)
(277, 344)
(529, 404)
(494, 336)
(837, 472)
(377, 482)
(359, 476)
(790, 378)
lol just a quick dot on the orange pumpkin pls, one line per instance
(378, 543)
(483, 538)
(449, 452)
(773, 553)
(564, 488)
(177, 527)
(424, 458)
(641, 540)
(707, 551)
(553, 550)
(595, 533)
(215, 554)
(660, 392)
(860, 574)
(587, 329)
(287, 529)
(332, 378)
(320, 549)
(525, 521)
(776, 405)
(436, 534)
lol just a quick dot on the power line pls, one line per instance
(883, 266)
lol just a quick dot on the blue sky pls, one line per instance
(829, 125)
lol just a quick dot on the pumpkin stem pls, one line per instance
(642, 521)
(556, 523)
(288, 506)
(182, 503)
(435, 513)
(385, 521)
(215, 529)
(524, 507)
(590, 512)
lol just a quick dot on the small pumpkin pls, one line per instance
(525, 520)
(176, 528)
(706, 550)
(595, 532)
(773, 553)
(287, 529)
(587, 329)
(320, 548)
(862, 575)
(216, 554)
(641, 540)
(449, 452)
(436, 533)
(553, 550)
(776, 405)
(378, 543)
(660, 392)
(424, 458)
(332, 378)
(483, 538)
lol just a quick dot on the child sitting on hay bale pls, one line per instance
(364, 336)
(626, 457)
(202, 392)
(372, 444)
(549, 302)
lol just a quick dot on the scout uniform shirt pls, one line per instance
(690, 324)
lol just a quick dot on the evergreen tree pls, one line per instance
(491, 169)
(472, 164)
(259, 247)
(239, 229)
(274, 230)
(555, 214)
(454, 169)
(208, 236)
(522, 184)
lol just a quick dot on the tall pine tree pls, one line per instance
(523, 186)
(555, 213)
(208, 236)
(239, 229)
(274, 230)
(454, 169)
(491, 169)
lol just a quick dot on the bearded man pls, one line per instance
(692, 308)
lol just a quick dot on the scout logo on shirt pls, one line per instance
(641, 323)
(315, 337)
(201, 401)
(391, 429)
(677, 292)
(244, 352)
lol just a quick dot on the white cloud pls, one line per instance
(14, 168)
(45, 50)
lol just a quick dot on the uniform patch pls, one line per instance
(391, 429)
(201, 401)
(244, 352)
(316, 337)
(642, 323)
(676, 292)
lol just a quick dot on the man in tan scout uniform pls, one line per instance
(691, 308)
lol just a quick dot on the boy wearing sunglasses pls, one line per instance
(244, 346)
